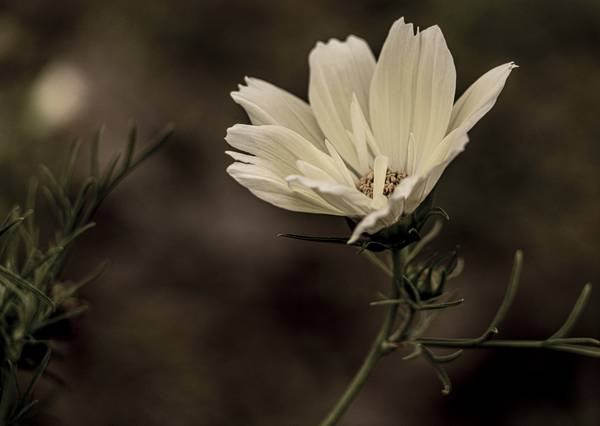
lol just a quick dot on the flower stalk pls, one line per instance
(382, 345)
(410, 307)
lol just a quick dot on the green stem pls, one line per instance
(471, 344)
(380, 347)
(582, 347)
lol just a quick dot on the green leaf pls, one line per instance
(67, 175)
(22, 412)
(37, 373)
(442, 305)
(440, 371)
(106, 180)
(575, 313)
(316, 239)
(442, 359)
(11, 224)
(162, 139)
(30, 205)
(425, 239)
(69, 314)
(94, 153)
(417, 351)
(511, 291)
(9, 277)
(56, 191)
(132, 139)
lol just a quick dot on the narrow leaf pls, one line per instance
(440, 371)
(94, 153)
(37, 374)
(511, 291)
(67, 175)
(442, 359)
(7, 275)
(69, 314)
(378, 262)
(130, 147)
(443, 305)
(327, 240)
(426, 239)
(575, 312)
(165, 137)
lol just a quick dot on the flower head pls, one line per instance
(376, 136)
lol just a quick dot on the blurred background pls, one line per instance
(205, 317)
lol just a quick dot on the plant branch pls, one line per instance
(381, 346)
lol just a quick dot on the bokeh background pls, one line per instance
(205, 317)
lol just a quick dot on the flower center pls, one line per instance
(392, 179)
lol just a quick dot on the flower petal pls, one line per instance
(412, 91)
(267, 104)
(313, 172)
(388, 215)
(338, 70)
(451, 146)
(280, 146)
(469, 109)
(380, 167)
(361, 136)
(410, 193)
(271, 188)
(350, 201)
(435, 91)
(479, 98)
(348, 177)
(391, 94)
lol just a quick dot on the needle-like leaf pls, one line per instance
(511, 291)
(575, 312)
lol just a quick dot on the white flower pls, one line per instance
(376, 136)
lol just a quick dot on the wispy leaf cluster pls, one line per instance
(35, 296)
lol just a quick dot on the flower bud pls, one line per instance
(430, 275)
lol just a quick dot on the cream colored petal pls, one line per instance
(451, 146)
(281, 146)
(469, 109)
(456, 140)
(388, 215)
(380, 166)
(479, 98)
(391, 97)
(338, 70)
(268, 104)
(275, 190)
(313, 172)
(273, 167)
(346, 199)
(411, 192)
(411, 155)
(434, 92)
(412, 92)
(359, 136)
(348, 176)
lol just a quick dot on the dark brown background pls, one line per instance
(205, 318)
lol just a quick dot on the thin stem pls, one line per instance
(380, 347)
(577, 346)
(472, 343)
(378, 262)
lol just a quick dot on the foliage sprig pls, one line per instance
(34, 295)
(418, 293)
